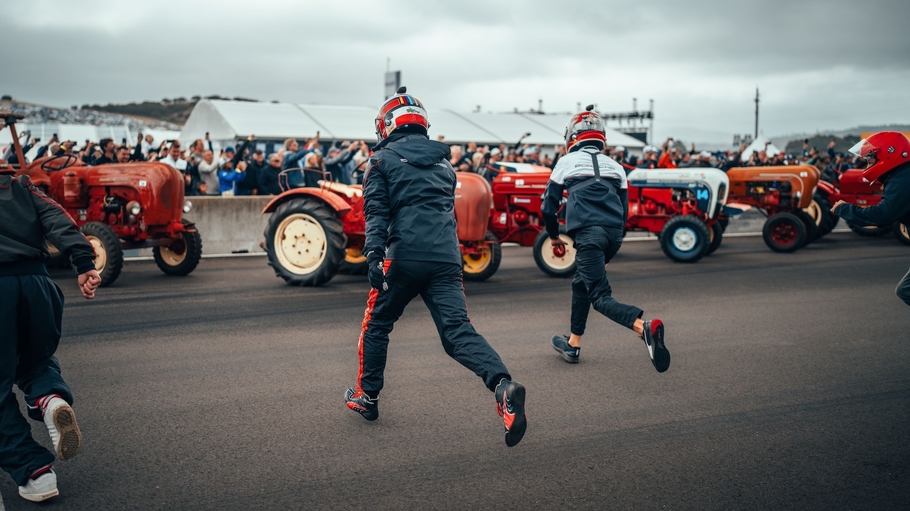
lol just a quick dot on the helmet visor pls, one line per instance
(857, 149)
(869, 158)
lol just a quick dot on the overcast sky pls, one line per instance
(820, 65)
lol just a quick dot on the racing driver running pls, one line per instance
(412, 249)
(887, 156)
(596, 212)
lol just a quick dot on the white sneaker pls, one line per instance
(40, 489)
(61, 425)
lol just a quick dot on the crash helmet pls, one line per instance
(883, 152)
(399, 111)
(583, 126)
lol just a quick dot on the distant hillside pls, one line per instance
(820, 142)
(175, 110)
(795, 140)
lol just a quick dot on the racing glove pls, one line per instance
(376, 272)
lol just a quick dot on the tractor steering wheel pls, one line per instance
(67, 160)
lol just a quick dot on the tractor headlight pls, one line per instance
(187, 206)
(134, 208)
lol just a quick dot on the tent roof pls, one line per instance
(759, 145)
(228, 120)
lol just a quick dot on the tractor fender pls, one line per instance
(333, 200)
(827, 188)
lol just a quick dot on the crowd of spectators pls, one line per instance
(245, 170)
(669, 155)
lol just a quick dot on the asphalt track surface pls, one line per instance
(789, 389)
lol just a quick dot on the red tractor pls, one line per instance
(682, 206)
(118, 206)
(785, 195)
(851, 187)
(314, 233)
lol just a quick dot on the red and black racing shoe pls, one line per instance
(510, 403)
(362, 404)
(653, 335)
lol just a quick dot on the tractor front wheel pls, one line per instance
(555, 262)
(784, 232)
(180, 257)
(305, 242)
(685, 239)
(482, 265)
(901, 232)
(108, 252)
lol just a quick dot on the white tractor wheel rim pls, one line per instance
(172, 258)
(814, 211)
(552, 260)
(100, 253)
(300, 244)
(684, 239)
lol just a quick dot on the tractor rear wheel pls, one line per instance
(181, 257)
(809, 224)
(872, 231)
(478, 267)
(554, 262)
(828, 219)
(305, 242)
(108, 252)
(716, 236)
(901, 232)
(354, 262)
(784, 232)
(685, 239)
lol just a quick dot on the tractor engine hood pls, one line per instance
(159, 186)
(709, 185)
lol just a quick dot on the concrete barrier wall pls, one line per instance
(229, 225)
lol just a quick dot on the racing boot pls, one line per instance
(362, 404)
(653, 335)
(569, 353)
(61, 426)
(510, 403)
(41, 486)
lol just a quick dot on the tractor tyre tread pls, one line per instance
(193, 242)
(702, 243)
(495, 260)
(111, 243)
(335, 241)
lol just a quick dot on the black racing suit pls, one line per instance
(596, 212)
(31, 310)
(894, 207)
(409, 204)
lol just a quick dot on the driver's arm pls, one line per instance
(894, 205)
(376, 208)
(60, 228)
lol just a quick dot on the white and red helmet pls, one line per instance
(583, 126)
(400, 110)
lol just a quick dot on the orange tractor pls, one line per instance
(785, 195)
(317, 232)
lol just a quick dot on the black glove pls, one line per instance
(376, 272)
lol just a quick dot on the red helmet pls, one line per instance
(400, 110)
(583, 126)
(883, 152)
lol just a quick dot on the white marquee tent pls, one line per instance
(759, 145)
(228, 121)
